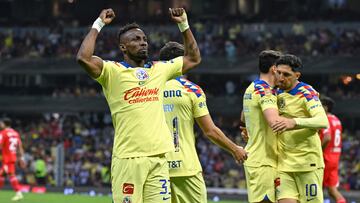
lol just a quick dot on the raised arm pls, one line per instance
(192, 56)
(219, 138)
(93, 64)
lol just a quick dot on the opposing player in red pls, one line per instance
(10, 143)
(331, 144)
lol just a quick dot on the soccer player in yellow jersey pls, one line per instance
(133, 90)
(184, 103)
(300, 160)
(260, 112)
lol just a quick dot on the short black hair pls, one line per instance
(171, 50)
(268, 58)
(291, 60)
(7, 121)
(126, 28)
(328, 102)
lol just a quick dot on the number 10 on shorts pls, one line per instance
(311, 190)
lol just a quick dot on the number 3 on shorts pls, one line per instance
(164, 186)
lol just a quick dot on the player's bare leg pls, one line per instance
(336, 195)
(287, 200)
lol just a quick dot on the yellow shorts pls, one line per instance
(140, 180)
(306, 187)
(260, 183)
(188, 189)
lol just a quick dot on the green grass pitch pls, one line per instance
(5, 197)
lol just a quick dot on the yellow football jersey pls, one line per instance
(183, 102)
(300, 149)
(262, 143)
(134, 95)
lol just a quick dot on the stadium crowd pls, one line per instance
(226, 39)
(87, 141)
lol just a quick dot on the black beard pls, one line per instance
(142, 56)
(138, 56)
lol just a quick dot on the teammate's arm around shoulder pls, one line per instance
(92, 64)
(192, 56)
(219, 138)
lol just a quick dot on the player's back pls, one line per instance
(183, 102)
(333, 149)
(299, 149)
(10, 143)
(262, 143)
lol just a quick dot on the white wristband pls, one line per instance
(98, 24)
(183, 26)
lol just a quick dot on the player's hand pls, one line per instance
(107, 15)
(178, 15)
(240, 154)
(283, 124)
(244, 134)
(22, 163)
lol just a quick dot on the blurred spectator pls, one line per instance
(40, 171)
(230, 39)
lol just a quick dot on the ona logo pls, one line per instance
(141, 74)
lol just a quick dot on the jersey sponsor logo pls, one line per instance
(141, 74)
(169, 107)
(128, 188)
(141, 94)
(174, 164)
(172, 93)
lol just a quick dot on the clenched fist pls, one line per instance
(178, 15)
(107, 15)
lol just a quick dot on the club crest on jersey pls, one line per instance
(127, 199)
(281, 103)
(141, 74)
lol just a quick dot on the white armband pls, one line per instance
(98, 24)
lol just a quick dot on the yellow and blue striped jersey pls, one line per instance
(183, 102)
(262, 143)
(134, 95)
(300, 149)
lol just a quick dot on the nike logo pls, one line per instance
(166, 198)
(310, 199)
